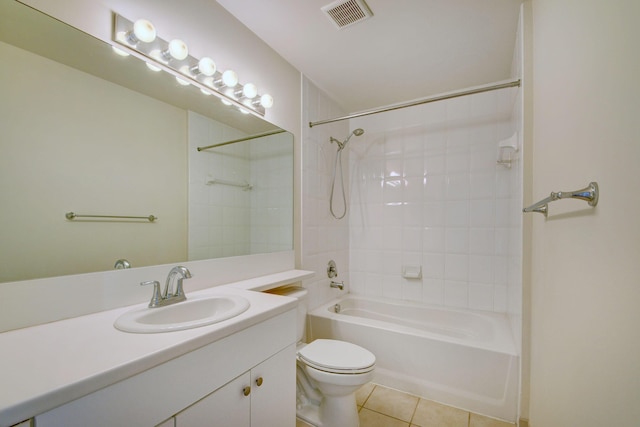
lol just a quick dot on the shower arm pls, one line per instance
(340, 143)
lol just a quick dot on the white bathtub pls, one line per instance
(461, 358)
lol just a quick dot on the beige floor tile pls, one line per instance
(300, 423)
(432, 414)
(481, 421)
(363, 393)
(370, 418)
(391, 402)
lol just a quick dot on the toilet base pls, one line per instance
(310, 414)
(339, 411)
(333, 412)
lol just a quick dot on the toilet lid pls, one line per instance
(337, 356)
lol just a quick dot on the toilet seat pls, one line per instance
(338, 357)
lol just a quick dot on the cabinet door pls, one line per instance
(273, 395)
(228, 406)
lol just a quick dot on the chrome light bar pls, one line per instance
(161, 55)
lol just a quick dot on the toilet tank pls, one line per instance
(300, 294)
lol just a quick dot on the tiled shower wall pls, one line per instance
(426, 193)
(324, 238)
(219, 214)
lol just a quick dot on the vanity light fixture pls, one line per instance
(248, 91)
(177, 50)
(229, 79)
(142, 31)
(141, 39)
(205, 66)
(266, 100)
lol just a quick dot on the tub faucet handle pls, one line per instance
(332, 271)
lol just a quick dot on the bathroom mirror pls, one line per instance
(84, 130)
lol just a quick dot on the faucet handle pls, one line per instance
(156, 298)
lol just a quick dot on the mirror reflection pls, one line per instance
(89, 132)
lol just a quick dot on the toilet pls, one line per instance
(329, 372)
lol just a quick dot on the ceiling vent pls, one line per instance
(347, 12)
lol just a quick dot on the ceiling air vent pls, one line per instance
(347, 12)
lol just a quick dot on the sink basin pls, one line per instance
(192, 313)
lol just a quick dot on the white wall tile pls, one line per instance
(424, 190)
(456, 267)
(481, 296)
(433, 265)
(456, 294)
(433, 291)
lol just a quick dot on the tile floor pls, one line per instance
(379, 406)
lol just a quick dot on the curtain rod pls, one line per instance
(247, 138)
(449, 95)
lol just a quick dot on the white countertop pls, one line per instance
(45, 366)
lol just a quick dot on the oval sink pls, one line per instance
(192, 313)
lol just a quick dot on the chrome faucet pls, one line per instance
(122, 264)
(168, 296)
(339, 285)
(184, 273)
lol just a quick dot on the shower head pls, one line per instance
(342, 144)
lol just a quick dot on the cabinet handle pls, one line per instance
(246, 391)
(259, 381)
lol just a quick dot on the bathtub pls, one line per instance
(461, 358)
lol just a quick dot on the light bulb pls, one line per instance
(143, 31)
(229, 78)
(266, 100)
(178, 49)
(205, 92)
(250, 91)
(206, 66)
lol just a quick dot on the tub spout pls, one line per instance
(339, 285)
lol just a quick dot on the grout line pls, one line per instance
(369, 395)
(387, 415)
(414, 411)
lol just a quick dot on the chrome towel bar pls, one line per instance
(244, 185)
(588, 194)
(72, 215)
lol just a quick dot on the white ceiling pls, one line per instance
(409, 49)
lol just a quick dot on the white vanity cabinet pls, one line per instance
(261, 397)
(227, 406)
(203, 387)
